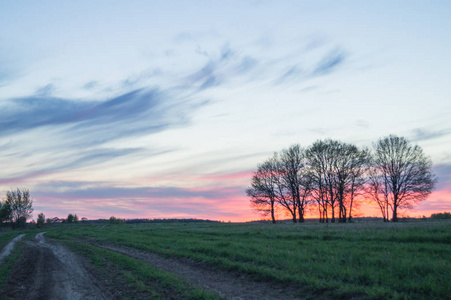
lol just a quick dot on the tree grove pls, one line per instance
(334, 176)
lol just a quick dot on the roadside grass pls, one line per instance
(7, 236)
(365, 260)
(143, 278)
(8, 263)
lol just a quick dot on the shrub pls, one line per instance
(21, 222)
(72, 218)
(114, 220)
(41, 220)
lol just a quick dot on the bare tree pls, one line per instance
(379, 192)
(359, 167)
(282, 190)
(295, 179)
(21, 205)
(282, 181)
(349, 166)
(404, 172)
(305, 190)
(263, 189)
(337, 172)
(321, 159)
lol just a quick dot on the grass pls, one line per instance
(8, 262)
(141, 278)
(373, 260)
(7, 236)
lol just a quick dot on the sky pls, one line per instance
(163, 109)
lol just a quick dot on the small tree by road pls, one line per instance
(41, 220)
(21, 205)
(5, 212)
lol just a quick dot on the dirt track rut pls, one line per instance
(47, 270)
(50, 271)
(227, 284)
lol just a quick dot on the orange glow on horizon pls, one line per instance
(225, 201)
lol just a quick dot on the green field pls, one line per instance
(364, 260)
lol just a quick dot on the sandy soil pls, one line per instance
(227, 284)
(50, 271)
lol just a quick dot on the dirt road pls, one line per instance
(50, 271)
(47, 270)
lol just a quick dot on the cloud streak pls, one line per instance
(330, 62)
(141, 202)
(138, 112)
(421, 134)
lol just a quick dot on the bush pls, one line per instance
(72, 218)
(41, 220)
(21, 222)
(114, 220)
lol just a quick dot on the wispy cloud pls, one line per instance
(421, 134)
(46, 90)
(139, 193)
(133, 80)
(443, 172)
(291, 74)
(138, 112)
(247, 64)
(330, 62)
(208, 76)
(75, 134)
(90, 85)
(76, 160)
(218, 70)
(140, 202)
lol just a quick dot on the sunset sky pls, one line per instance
(162, 109)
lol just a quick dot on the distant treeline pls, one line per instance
(333, 177)
(443, 215)
(114, 220)
(134, 221)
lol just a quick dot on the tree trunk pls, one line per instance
(301, 213)
(350, 207)
(342, 214)
(333, 214)
(395, 213)
(272, 213)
